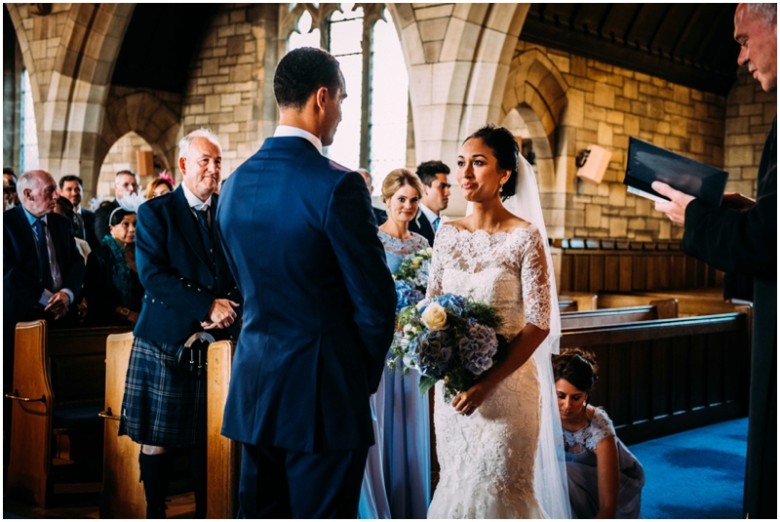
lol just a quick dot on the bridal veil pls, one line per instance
(550, 482)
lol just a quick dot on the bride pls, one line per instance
(500, 442)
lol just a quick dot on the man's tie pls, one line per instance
(436, 223)
(41, 244)
(78, 220)
(205, 230)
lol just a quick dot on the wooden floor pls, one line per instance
(85, 505)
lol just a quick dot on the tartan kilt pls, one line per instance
(162, 404)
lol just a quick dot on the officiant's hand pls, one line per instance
(674, 209)
(468, 401)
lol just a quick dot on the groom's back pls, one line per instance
(272, 218)
(318, 299)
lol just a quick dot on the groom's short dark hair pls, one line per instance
(301, 72)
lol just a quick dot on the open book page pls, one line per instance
(639, 192)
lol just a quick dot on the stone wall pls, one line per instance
(749, 115)
(226, 93)
(607, 104)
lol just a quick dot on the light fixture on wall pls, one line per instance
(582, 157)
(592, 163)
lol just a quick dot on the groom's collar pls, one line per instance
(287, 131)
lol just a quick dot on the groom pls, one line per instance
(319, 307)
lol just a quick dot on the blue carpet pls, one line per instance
(695, 474)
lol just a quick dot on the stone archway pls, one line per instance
(534, 106)
(70, 89)
(458, 57)
(151, 116)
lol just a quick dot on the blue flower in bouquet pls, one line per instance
(477, 348)
(433, 351)
(420, 279)
(448, 337)
(453, 303)
(407, 295)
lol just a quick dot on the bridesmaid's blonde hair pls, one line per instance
(398, 178)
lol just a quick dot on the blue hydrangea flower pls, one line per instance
(420, 279)
(407, 295)
(434, 351)
(477, 348)
(454, 303)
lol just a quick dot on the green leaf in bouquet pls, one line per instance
(426, 383)
(484, 314)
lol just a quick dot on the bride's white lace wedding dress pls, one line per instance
(487, 459)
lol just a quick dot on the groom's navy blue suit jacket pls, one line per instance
(319, 300)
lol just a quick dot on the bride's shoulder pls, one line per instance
(455, 225)
(513, 223)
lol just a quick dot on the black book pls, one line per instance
(648, 163)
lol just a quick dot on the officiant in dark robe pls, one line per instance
(742, 239)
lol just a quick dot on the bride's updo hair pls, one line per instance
(396, 179)
(577, 366)
(506, 151)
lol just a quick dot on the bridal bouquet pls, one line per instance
(447, 337)
(411, 278)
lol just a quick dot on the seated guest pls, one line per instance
(113, 289)
(605, 479)
(43, 271)
(158, 187)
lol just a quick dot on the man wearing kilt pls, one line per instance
(189, 289)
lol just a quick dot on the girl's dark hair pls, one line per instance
(506, 151)
(118, 215)
(577, 366)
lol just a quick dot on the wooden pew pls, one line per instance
(577, 301)
(223, 454)
(701, 302)
(122, 495)
(58, 392)
(593, 265)
(663, 376)
(667, 306)
(566, 304)
(604, 316)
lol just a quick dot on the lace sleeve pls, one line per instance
(600, 428)
(534, 277)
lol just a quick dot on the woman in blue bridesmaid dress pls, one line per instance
(397, 482)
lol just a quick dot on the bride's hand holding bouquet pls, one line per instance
(447, 338)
